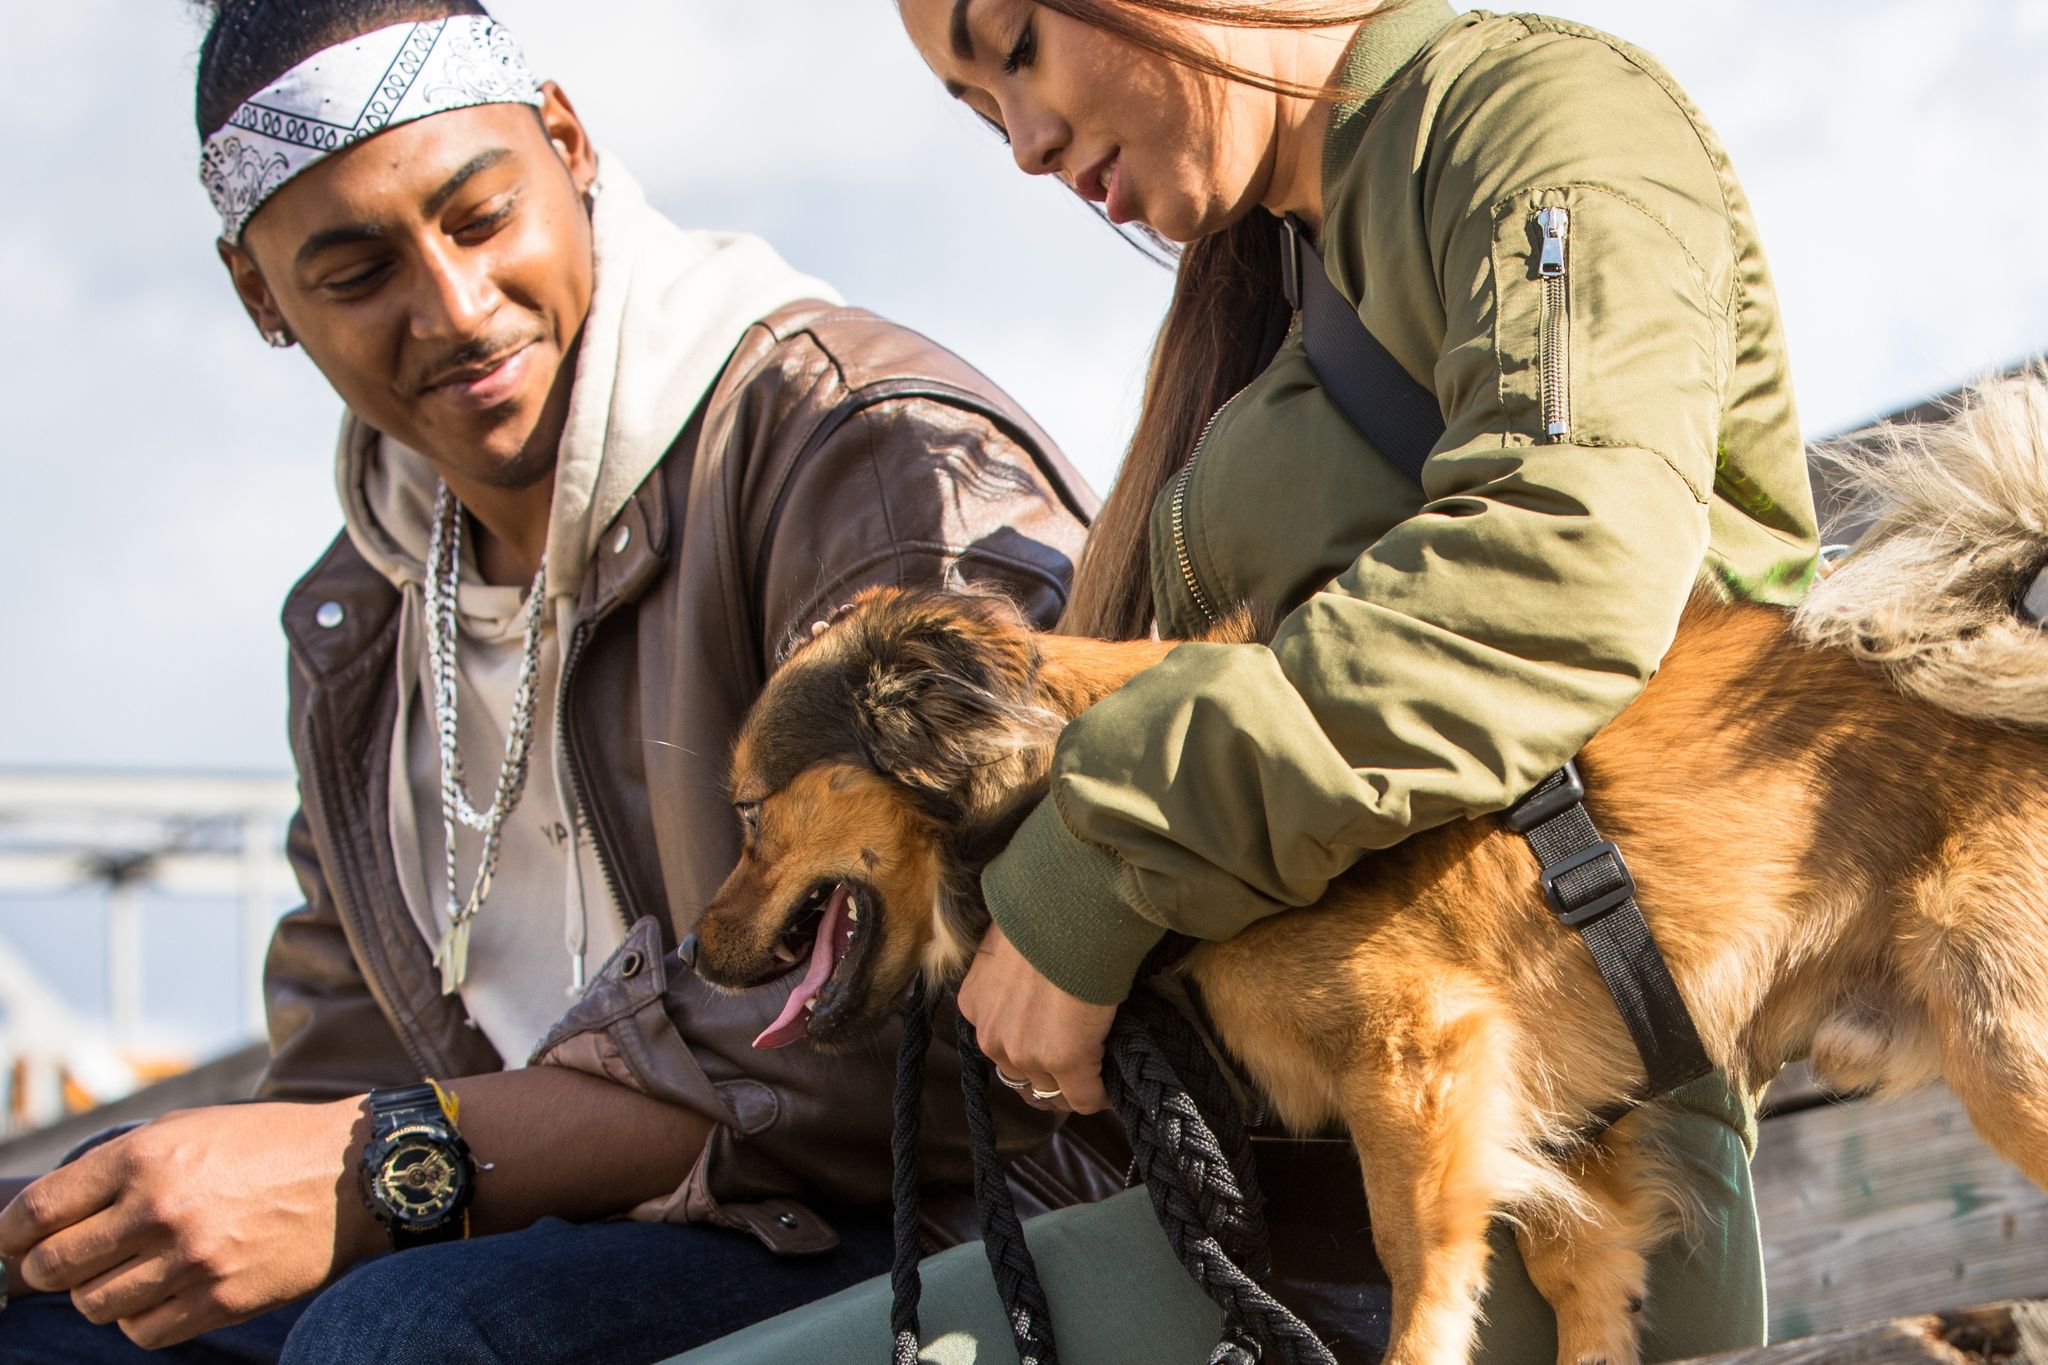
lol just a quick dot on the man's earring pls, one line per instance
(278, 337)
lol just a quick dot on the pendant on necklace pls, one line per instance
(452, 956)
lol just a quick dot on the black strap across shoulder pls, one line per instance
(1585, 880)
(1399, 416)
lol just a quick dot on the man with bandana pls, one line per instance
(596, 471)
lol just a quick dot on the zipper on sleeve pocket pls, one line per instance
(1554, 348)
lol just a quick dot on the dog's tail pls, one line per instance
(1942, 591)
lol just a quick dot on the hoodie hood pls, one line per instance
(668, 308)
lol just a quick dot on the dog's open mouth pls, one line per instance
(833, 929)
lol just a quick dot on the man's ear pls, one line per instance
(254, 292)
(566, 134)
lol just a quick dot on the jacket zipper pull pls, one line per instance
(1555, 224)
(1554, 357)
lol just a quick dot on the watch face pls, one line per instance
(422, 1178)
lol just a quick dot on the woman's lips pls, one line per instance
(1103, 183)
(501, 382)
(1116, 200)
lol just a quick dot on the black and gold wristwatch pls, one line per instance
(417, 1175)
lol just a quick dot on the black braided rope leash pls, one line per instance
(1203, 1187)
(1002, 1233)
(906, 1288)
(1190, 1147)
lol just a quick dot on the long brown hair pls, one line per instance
(1227, 309)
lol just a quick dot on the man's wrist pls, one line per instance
(357, 1234)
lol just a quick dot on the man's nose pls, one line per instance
(458, 297)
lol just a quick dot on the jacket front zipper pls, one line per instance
(1555, 360)
(586, 817)
(1181, 555)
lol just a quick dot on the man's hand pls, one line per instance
(1034, 1031)
(198, 1220)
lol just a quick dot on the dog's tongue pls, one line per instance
(794, 1023)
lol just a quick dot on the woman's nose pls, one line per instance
(1036, 140)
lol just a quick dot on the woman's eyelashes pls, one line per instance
(1021, 51)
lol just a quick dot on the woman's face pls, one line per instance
(1152, 140)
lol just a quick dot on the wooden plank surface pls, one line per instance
(1871, 1209)
(1997, 1334)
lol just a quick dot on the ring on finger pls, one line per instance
(1051, 1094)
(1011, 1081)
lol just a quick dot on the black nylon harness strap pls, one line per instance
(1584, 877)
(1399, 416)
(1589, 887)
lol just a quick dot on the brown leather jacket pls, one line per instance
(837, 450)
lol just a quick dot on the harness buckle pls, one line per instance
(1547, 800)
(1583, 909)
(1290, 262)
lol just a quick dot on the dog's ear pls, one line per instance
(947, 700)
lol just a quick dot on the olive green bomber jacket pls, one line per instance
(1543, 231)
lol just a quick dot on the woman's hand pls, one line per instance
(1034, 1031)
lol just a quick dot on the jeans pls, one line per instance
(596, 1294)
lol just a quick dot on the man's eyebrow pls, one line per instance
(963, 36)
(476, 165)
(353, 234)
(349, 234)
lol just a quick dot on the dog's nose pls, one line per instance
(687, 951)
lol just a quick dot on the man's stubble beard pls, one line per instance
(523, 471)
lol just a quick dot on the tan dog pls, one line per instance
(1832, 866)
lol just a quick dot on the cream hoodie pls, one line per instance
(667, 310)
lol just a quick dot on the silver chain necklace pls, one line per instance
(444, 560)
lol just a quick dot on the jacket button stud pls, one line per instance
(787, 1220)
(622, 540)
(330, 615)
(629, 966)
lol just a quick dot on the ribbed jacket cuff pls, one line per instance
(1056, 897)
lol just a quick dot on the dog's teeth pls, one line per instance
(784, 955)
(852, 909)
(810, 1004)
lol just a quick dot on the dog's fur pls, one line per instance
(1837, 859)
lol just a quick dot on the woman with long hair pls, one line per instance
(1541, 230)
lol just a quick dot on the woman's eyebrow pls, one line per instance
(963, 36)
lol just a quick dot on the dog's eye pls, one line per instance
(750, 817)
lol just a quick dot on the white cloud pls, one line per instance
(166, 476)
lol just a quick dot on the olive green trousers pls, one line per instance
(1119, 1297)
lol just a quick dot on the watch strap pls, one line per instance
(403, 1099)
(391, 1109)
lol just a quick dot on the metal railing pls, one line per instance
(213, 836)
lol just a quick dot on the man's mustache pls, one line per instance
(469, 360)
